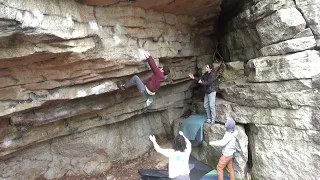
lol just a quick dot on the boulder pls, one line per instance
(302, 118)
(288, 67)
(280, 152)
(86, 152)
(243, 44)
(289, 46)
(257, 10)
(246, 95)
(311, 10)
(74, 117)
(281, 25)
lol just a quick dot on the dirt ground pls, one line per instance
(129, 170)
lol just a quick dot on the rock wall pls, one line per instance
(276, 44)
(61, 112)
(63, 115)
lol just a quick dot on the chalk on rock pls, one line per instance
(93, 25)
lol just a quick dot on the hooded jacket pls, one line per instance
(229, 139)
(228, 142)
(153, 83)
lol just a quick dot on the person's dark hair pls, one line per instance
(179, 143)
(166, 70)
(211, 66)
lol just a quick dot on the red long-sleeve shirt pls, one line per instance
(153, 83)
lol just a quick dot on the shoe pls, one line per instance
(208, 121)
(121, 86)
(149, 101)
(212, 122)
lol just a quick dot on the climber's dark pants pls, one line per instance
(136, 81)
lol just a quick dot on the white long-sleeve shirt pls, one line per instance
(228, 141)
(178, 161)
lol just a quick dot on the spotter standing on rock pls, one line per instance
(208, 80)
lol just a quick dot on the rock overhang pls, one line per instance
(206, 12)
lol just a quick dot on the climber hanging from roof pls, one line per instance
(153, 83)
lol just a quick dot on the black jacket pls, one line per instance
(208, 81)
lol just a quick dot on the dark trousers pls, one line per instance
(182, 177)
(136, 81)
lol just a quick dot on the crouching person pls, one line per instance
(178, 156)
(229, 148)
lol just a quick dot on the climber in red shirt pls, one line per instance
(153, 83)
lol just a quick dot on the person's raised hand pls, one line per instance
(152, 138)
(181, 133)
(191, 76)
(142, 54)
(146, 54)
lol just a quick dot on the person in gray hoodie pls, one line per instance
(229, 148)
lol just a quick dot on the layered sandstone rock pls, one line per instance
(63, 115)
(279, 99)
(61, 112)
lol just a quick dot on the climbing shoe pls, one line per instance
(149, 101)
(121, 86)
